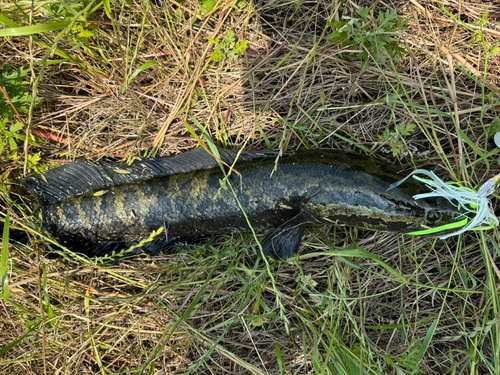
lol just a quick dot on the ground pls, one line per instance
(413, 83)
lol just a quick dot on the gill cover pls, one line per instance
(478, 212)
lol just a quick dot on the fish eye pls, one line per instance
(433, 216)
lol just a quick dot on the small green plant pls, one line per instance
(207, 6)
(494, 127)
(80, 32)
(228, 47)
(370, 35)
(409, 360)
(11, 129)
(396, 137)
(10, 135)
(14, 84)
(478, 38)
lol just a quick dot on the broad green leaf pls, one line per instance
(230, 38)
(494, 127)
(241, 46)
(207, 5)
(34, 159)
(213, 40)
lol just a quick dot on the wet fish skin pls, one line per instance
(308, 187)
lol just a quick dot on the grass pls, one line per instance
(120, 79)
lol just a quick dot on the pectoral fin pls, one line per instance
(284, 241)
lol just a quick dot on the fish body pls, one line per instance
(98, 209)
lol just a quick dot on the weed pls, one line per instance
(14, 84)
(396, 137)
(11, 134)
(80, 32)
(373, 37)
(228, 47)
(207, 6)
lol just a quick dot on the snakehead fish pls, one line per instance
(104, 208)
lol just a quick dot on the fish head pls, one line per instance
(440, 216)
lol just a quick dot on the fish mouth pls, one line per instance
(442, 216)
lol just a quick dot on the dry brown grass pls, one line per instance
(211, 309)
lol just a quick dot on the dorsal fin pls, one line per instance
(80, 177)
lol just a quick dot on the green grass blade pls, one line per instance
(426, 343)
(143, 67)
(107, 8)
(46, 297)
(476, 149)
(361, 253)
(59, 52)
(5, 259)
(279, 358)
(208, 139)
(16, 342)
(34, 29)
(7, 21)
